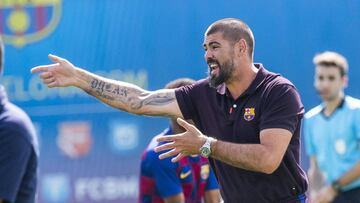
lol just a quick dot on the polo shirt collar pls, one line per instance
(255, 84)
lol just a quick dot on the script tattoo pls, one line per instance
(107, 90)
(118, 91)
(132, 97)
(98, 85)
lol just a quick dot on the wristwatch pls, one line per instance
(205, 150)
(336, 186)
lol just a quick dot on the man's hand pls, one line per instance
(60, 74)
(183, 144)
(326, 195)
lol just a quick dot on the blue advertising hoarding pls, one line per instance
(91, 152)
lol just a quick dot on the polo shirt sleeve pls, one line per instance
(309, 145)
(211, 182)
(165, 176)
(282, 108)
(185, 96)
(15, 152)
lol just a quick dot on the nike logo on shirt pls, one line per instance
(184, 175)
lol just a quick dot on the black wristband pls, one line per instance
(336, 186)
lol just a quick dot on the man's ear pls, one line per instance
(241, 47)
(345, 81)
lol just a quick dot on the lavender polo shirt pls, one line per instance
(271, 101)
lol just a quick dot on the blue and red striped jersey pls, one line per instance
(161, 178)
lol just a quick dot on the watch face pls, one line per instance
(205, 152)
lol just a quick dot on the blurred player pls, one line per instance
(332, 133)
(18, 151)
(190, 180)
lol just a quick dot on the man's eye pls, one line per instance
(331, 78)
(320, 78)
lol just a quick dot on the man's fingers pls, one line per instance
(43, 68)
(178, 157)
(49, 80)
(39, 69)
(185, 124)
(167, 138)
(168, 154)
(46, 75)
(163, 147)
(55, 58)
(53, 84)
(46, 68)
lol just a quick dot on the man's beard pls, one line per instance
(225, 73)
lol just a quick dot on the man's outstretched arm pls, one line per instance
(120, 95)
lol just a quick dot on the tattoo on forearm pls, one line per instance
(102, 87)
(127, 95)
(98, 85)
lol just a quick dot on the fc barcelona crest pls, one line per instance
(205, 170)
(24, 22)
(249, 114)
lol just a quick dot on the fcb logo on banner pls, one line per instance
(74, 138)
(24, 22)
(249, 114)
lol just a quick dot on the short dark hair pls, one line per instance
(233, 30)
(1, 56)
(332, 59)
(179, 83)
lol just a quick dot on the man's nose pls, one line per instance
(325, 83)
(208, 55)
